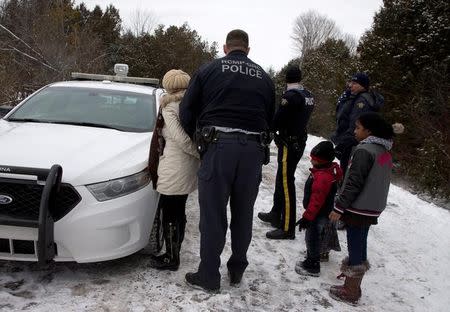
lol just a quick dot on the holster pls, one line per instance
(292, 142)
(266, 138)
(203, 137)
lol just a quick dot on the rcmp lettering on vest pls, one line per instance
(242, 67)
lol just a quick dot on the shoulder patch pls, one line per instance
(284, 102)
(360, 104)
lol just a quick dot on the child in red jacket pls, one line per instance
(318, 200)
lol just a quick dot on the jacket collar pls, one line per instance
(294, 85)
(236, 52)
(387, 144)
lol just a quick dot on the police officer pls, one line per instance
(289, 124)
(229, 102)
(350, 106)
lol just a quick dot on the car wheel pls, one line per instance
(156, 240)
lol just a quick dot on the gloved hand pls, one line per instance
(303, 224)
(278, 141)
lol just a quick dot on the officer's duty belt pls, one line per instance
(237, 135)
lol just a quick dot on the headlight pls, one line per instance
(119, 187)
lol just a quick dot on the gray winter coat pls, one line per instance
(366, 183)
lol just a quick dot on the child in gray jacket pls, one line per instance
(362, 198)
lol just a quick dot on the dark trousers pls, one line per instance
(284, 198)
(173, 212)
(173, 208)
(357, 244)
(230, 171)
(313, 236)
(345, 156)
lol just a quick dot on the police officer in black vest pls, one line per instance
(228, 105)
(289, 126)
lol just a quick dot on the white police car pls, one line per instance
(74, 184)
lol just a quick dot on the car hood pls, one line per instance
(86, 154)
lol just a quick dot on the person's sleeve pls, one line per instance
(176, 132)
(271, 107)
(321, 186)
(305, 115)
(361, 164)
(281, 113)
(190, 105)
(360, 106)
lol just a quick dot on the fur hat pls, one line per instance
(175, 80)
(293, 74)
(323, 152)
(361, 79)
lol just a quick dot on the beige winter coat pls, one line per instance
(177, 169)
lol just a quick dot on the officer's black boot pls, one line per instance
(270, 217)
(308, 267)
(280, 234)
(171, 259)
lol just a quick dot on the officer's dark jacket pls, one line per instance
(293, 113)
(232, 91)
(349, 109)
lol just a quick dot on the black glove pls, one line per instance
(303, 224)
(278, 141)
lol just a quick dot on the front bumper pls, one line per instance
(93, 231)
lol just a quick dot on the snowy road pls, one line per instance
(409, 251)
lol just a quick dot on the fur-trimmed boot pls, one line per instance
(171, 259)
(350, 292)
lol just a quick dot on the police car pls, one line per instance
(74, 183)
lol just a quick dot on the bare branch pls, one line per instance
(16, 37)
(45, 63)
(33, 58)
(142, 22)
(311, 29)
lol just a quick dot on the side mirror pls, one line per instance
(5, 110)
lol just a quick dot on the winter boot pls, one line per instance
(280, 234)
(350, 292)
(171, 259)
(325, 256)
(308, 267)
(182, 226)
(270, 217)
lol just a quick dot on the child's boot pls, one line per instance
(350, 292)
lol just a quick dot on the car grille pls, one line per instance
(27, 198)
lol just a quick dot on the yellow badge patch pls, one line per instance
(284, 102)
(360, 105)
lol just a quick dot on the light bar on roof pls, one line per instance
(137, 80)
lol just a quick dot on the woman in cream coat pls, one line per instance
(177, 170)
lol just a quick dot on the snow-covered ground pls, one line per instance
(409, 251)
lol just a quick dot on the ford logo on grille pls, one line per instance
(5, 200)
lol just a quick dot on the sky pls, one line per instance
(268, 23)
(407, 249)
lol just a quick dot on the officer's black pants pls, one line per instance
(284, 198)
(230, 170)
(345, 157)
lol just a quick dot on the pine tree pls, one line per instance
(407, 55)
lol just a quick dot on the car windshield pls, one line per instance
(121, 110)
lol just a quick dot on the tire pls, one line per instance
(156, 241)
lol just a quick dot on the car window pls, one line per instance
(127, 111)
